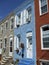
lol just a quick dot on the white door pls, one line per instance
(29, 47)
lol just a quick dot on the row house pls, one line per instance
(6, 39)
(42, 31)
(24, 33)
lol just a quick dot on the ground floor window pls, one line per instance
(11, 41)
(29, 45)
(44, 63)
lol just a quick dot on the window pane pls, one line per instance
(30, 40)
(44, 9)
(46, 44)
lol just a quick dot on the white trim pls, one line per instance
(43, 60)
(10, 35)
(12, 17)
(41, 38)
(29, 34)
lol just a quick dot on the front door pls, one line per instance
(29, 47)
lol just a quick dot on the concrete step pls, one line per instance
(2, 63)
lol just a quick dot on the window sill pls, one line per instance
(44, 48)
(44, 13)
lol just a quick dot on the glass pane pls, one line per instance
(44, 9)
(46, 44)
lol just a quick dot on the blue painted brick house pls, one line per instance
(24, 32)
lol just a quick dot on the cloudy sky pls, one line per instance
(6, 6)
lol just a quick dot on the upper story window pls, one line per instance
(45, 37)
(18, 19)
(2, 29)
(28, 14)
(12, 23)
(6, 25)
(43, 4)
(5, 42)
(0, 43)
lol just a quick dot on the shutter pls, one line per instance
(25, 16)
(17, 20)
(21, 17)
(15, 43)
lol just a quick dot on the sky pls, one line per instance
(7, 6)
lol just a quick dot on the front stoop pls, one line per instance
(6, 61)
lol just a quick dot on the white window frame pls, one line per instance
(42, 48)
(40, 8)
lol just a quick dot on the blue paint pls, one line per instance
(25, 28)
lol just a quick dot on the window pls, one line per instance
(11, 42)
(2, 29)
(28, 14)
(18, 19)
(0, 43)
(5, 41)
(12, 23)
(45, 37)
(29, 45)
(6, 25)
(44, 63)
(43, 6)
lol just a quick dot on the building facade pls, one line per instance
(42, 31)
(6, 39)
(24, 31)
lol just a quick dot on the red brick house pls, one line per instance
(42, 31)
